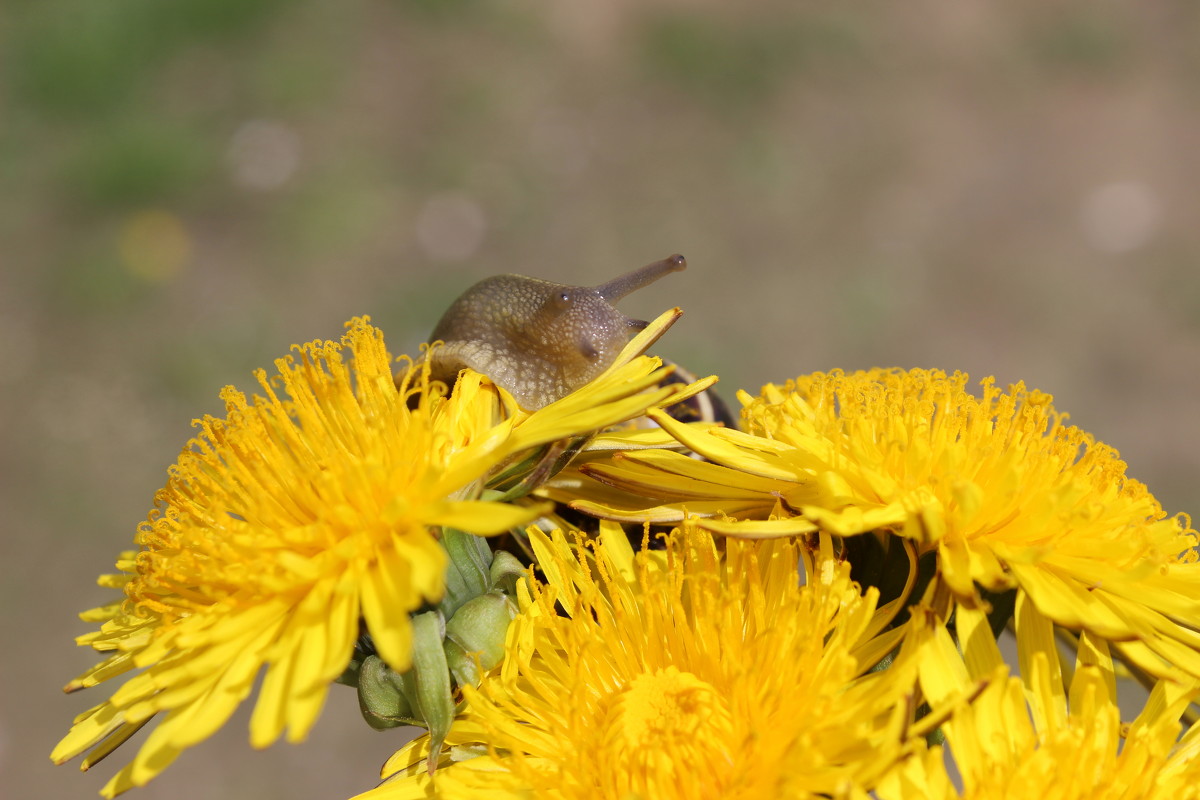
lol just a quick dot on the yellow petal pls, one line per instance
(485, 518)
(758, 529)
(1069, 604)
(1041, 673)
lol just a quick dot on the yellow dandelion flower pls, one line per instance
(303, 512)
(700, 671)
(1030, 737)
(999, 486)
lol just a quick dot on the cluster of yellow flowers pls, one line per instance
(812, 610)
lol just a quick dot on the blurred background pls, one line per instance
(188, 188)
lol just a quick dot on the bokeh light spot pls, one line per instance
(1120, 217)
(263, 155)
(450, 226)
(154, 245)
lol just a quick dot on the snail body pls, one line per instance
(537, 339)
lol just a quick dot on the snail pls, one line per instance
(537, 339)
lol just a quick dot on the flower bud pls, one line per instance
(478, 631)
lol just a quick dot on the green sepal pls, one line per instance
(467, 572)
(463, 666)
(383, 696)
(504, 573)
(432, 695)
(457, 590)
(471, 553)
(475, 636)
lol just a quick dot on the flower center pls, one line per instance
(667, 710)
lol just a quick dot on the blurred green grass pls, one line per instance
(73, 60)
(734, 62)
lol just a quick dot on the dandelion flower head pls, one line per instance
(999, 485)
(305, 514)
(1044, 734)
(703, 670)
